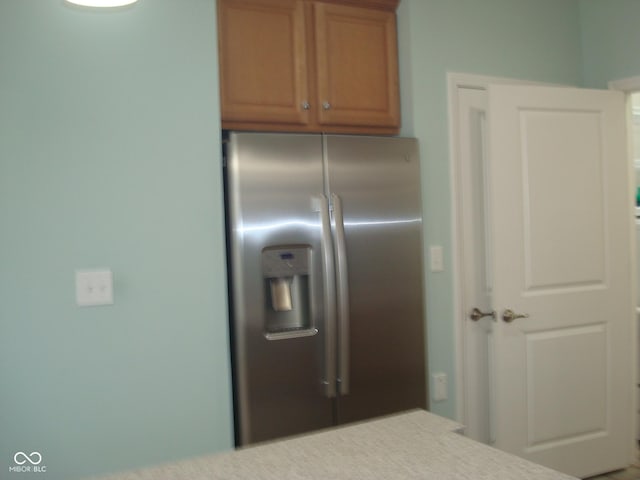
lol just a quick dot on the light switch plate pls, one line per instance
(94, 287)
(436, 257)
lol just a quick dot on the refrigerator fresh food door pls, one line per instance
(375, 186)
(281, 285)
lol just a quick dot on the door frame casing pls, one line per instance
(455, 81)
(629, 86)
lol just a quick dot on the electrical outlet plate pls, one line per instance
(440, 387)
(94, 287)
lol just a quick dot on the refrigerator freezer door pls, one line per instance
(378, 183)
(274, 201)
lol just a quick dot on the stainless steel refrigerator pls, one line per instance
(326, 288)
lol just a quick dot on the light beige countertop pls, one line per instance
(412, 445)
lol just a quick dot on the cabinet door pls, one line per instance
(357, 66)
(263, 68)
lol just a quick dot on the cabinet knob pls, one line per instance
(326, 105)
(305, 105)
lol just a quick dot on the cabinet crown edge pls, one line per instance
(389, 5)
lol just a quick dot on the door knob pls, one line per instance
(326, 105)
(476, 314)
(509, 315)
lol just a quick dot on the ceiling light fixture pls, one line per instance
(102, 3)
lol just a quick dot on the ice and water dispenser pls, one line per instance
(287, 309)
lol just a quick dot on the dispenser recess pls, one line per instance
(285, 272)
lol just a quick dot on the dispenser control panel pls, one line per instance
(285, 261)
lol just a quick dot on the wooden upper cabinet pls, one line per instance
(307, 65)
(357, 66)
(263, 61)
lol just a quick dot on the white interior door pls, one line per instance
(561, 241)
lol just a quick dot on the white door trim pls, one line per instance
(629, 86)
(455, 81)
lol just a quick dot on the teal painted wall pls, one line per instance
(109, 157)
(611, 40)
(529, 39)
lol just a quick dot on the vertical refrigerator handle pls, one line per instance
(342, 281)
(330, 353)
